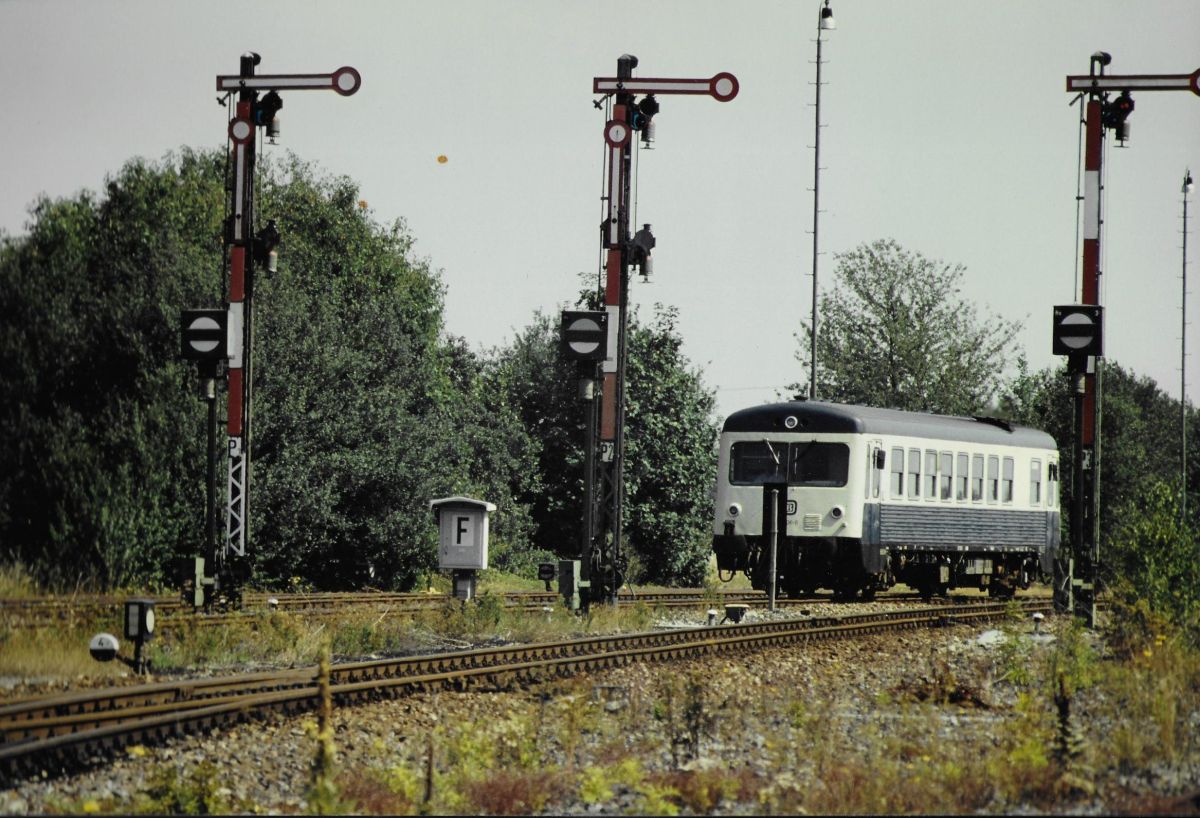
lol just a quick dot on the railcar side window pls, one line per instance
(755, 462)
(1006, 484)
(993, 478)
(977, 478)
(961, 477)
(931, 474)
(1035, 483)
(897, 480)
(914, 473)
(947, 469)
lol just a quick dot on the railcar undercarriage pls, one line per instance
(851, 569)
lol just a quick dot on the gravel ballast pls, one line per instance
(780, 730)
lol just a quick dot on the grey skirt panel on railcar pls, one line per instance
(984, 530)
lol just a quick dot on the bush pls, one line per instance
(1153, 568)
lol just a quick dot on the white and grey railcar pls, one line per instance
(869, 497)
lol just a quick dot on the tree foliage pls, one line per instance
(1154, 556)
(896, 332)
(670, 446)
(1139, 435)
(364, 411)
(99, 422)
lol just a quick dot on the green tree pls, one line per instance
(896, 332)
(670, 446)
(1154, 556)
(671, 456)
(100, 427)
(363, 410)
(1139, 434)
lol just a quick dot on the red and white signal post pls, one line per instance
(1076, 575)
(245, 249)
(603, 561)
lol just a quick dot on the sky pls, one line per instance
(947, 128)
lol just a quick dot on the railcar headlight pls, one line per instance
(837, 512)
(735, 509)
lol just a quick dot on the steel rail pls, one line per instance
(47, 612)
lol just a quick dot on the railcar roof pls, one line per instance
(819, 416)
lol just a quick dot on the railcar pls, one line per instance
(857, 499)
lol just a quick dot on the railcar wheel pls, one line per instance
(868, 594)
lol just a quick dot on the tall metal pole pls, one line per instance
(244, 245)
(773, 541)
(1187, 188)
(1086, 540)
(621, 252)
(825, 22)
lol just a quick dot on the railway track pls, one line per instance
(49, 734)
(46, 612)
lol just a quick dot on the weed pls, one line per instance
(1073, 659)
(514, 792)
(372, 793)
(196, 792)
(702, 790)
(697, 722)
(575, 713)
(1012, 660)
(597, 782)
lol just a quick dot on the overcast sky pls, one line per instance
(948, 129)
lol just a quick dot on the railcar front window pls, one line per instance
(753, 463)
(811, 463)
(819, 464)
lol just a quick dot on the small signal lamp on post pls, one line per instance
(825, 22)
(1188, 186)
(1115, 116)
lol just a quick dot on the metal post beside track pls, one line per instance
(773, 538)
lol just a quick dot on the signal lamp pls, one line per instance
(266, 112)
(827, 21)
(266, 242)
(1115, 115)
(643, 119)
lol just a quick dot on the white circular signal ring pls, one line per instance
(241, 131)
(616, 133)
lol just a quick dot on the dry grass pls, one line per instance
(60, 655)
(54, 656)
(17, 583)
